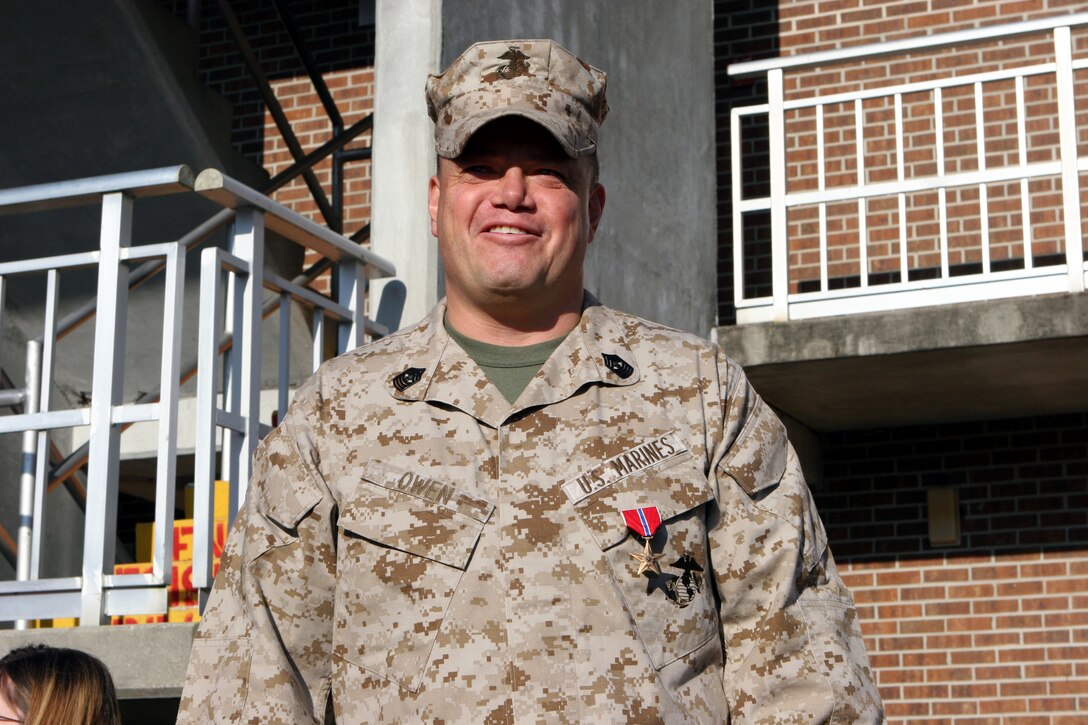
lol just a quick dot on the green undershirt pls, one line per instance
(508, 368)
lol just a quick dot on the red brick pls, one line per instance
(1003, 706)
(900, 611)
(946, 575)
(898, 578)
(921, 626)
(1048, 604)
(949, 674)
(916, 593)
(912, 710)
(1021, 689)
(994, 606)
(1049, 671)
(973, 657)
(954, 707)
(900, 644)
(970, 624)
(1044, 570)
(946, 609)
(949, 641)
(1019, 589)
(1069, 687)
(1019, 621)
(1003, 672)
(974, 690)
(974, 591)
(898, 677)
(1072, 584)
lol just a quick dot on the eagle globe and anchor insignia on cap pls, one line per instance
(407, 379)
(517, 65)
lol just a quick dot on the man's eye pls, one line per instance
(557, 174)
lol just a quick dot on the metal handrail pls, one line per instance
(906, 45)
(784, 304)
(97, 592)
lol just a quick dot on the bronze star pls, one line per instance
(647, 560)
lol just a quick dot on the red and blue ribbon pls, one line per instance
(643, 521)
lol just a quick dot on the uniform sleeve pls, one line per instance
(794, 651)
(262, 652)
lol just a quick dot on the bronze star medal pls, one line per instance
(647, 560)
(644, 522)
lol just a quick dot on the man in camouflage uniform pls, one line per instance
(528, 507)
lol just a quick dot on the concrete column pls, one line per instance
(407, 48)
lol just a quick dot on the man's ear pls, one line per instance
(596, 209)
(434, 195)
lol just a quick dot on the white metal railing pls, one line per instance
(942, 287)
(97, 593)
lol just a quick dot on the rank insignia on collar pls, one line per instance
(682, 590)
(618, 365)
(407, 379)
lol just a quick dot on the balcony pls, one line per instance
(908, 226)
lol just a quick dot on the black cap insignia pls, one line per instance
(618, 365)
(407, 379)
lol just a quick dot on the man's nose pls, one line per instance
(512, 190)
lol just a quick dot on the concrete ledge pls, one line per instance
(972, 324)
(997, 359)
(146, 660)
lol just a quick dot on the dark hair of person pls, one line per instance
(54, 686)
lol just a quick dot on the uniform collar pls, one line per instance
(434, 368)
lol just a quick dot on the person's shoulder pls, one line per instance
(378, 359)
(640, 331)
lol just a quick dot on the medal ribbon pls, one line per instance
(643, 521)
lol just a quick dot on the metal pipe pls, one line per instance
(12, 398)
(308, 63)
(25, 534)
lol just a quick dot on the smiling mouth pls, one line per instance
(501, 229)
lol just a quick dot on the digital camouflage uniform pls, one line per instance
(427, 551)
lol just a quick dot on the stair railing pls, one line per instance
(97, 594)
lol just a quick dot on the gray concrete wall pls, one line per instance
(655, 254)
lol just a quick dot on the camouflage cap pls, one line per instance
(536, 79)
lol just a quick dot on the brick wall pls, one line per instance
(821, 25)
(994, 630)
(343, 52)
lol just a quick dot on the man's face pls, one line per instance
(513, 216)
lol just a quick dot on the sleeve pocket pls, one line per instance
(217, 686)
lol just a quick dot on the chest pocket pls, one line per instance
(679, 491)
(405, 541)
